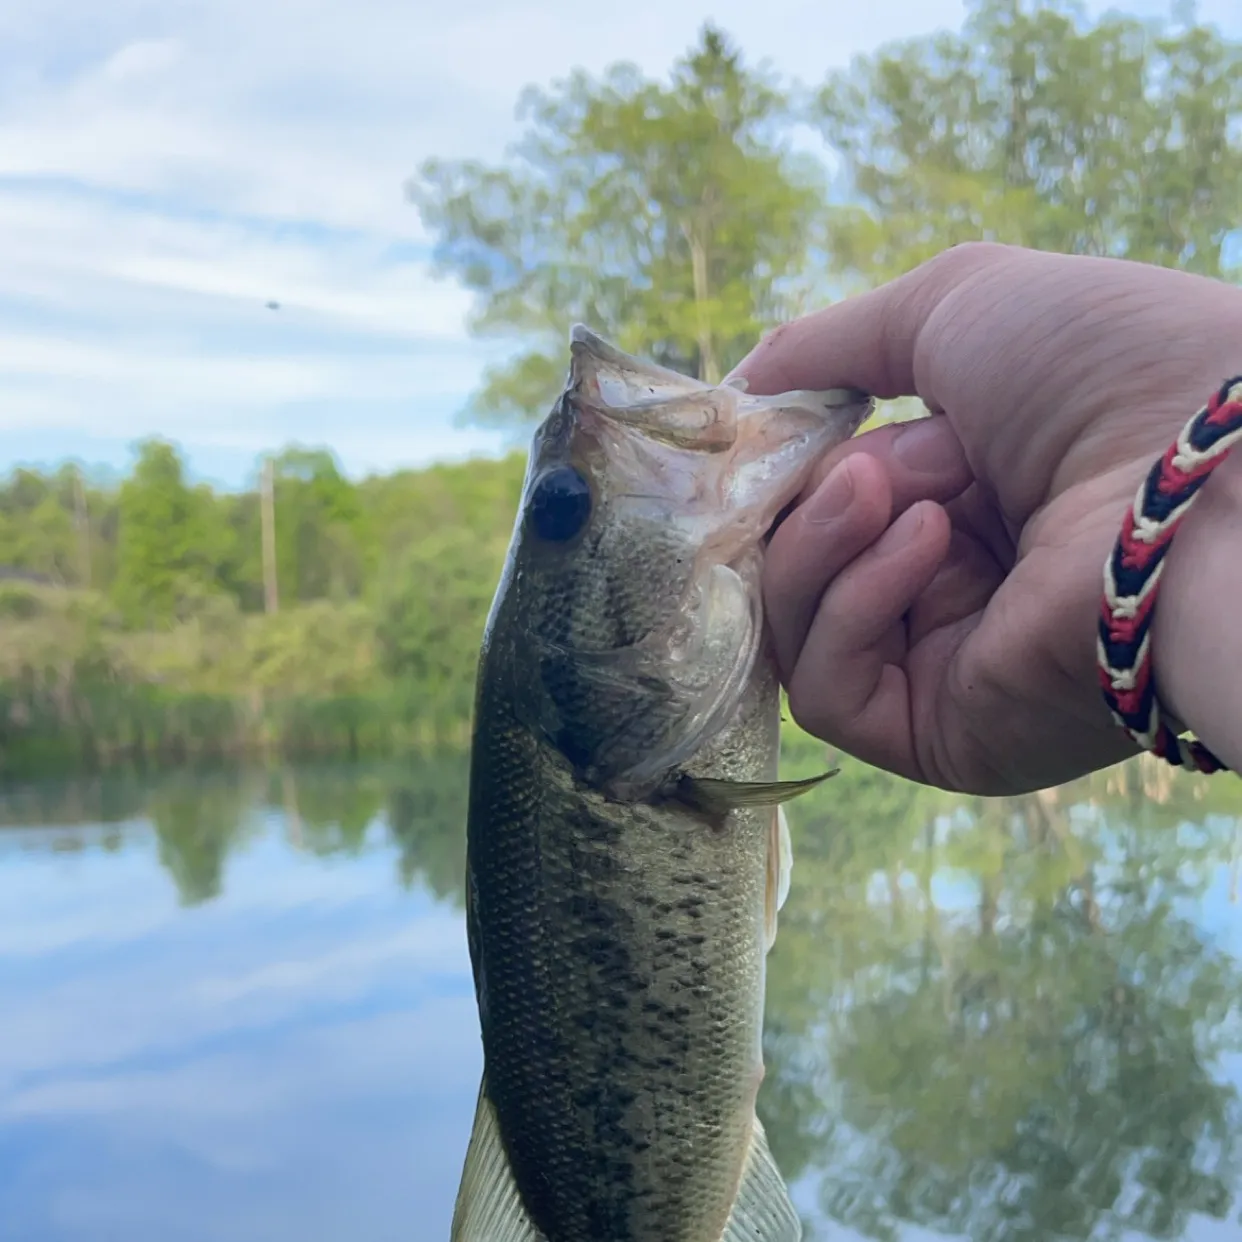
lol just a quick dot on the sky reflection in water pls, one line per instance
(238, 1006)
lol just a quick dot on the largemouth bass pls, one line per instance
(627, 855)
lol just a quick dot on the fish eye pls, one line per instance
(559, 505)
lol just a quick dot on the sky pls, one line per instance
(169, 168)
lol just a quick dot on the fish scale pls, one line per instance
(620, 908)
(630, 926)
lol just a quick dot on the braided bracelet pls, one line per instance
(1132, 577)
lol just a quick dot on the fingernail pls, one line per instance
(929, 446)
(833, 497)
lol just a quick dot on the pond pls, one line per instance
(236, 1005)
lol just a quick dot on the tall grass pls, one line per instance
(77, 690)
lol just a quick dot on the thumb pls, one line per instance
(869, 341)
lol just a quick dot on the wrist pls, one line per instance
(1196, 636)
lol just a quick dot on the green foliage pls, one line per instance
(320, 650)
(198, 822)
(317, 552)
(1036, 126)
(672, 217)
(993, 1018)
(169, 548)
(385, 585)
(429, 621)
(57, 527)
(425, 812)
(677, 217)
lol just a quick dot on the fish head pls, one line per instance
(631, 595)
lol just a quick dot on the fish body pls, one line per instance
(626, 854)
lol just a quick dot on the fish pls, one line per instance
(627, 849)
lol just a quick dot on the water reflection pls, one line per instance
(1007, 1019)
(238, 1005)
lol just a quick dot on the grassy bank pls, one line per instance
(78, 690)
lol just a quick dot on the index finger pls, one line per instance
(869, 341)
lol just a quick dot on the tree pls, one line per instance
(198, 824)
(170, 541)
(1035, 127)
(329, 809)
(425, 811)
(429, 624)
(675, 219)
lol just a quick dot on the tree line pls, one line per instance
(135, 621)
(682, 217)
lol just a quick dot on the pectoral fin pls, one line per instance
(489, 1208)
(763, 1208)
(716, 798)
(719, 797)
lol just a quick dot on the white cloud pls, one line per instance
(185, 979)
(200, 384)
(76, 254)
(167, 169)
(159, 324)
(343, 1128)
(299, 1055)
(60, 248)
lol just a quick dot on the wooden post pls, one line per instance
(82, 520)
(267, 518)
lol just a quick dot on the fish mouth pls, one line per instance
(715, 456)
(685, 412)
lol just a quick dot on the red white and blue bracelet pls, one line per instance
(1132, 577)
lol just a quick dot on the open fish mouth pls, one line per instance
(710, 455)
(681, 410)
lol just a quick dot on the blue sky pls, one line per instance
(166, 170)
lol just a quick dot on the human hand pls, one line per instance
(933, 599)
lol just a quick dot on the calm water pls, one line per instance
(237, 1006)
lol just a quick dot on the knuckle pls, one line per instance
(969, 256)
(956, 264)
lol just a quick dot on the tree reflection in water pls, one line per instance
(998, 1018)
